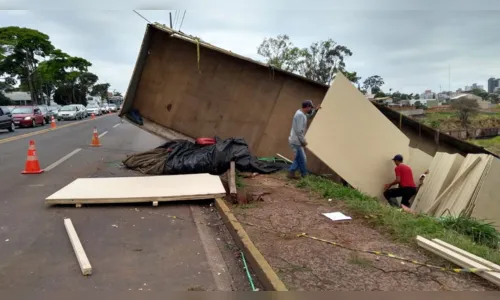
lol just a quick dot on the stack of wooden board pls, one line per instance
(354, 139)
(462, 193)
(139, 189)
(442, 170)
(462, 258)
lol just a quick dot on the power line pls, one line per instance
(176, 18)
(141, 16)
(182, 21)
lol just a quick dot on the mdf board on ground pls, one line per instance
(354, 139)
(139, 189)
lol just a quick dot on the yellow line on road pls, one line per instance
(22, 136)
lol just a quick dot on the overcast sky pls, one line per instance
(410, 44)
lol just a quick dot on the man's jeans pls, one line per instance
(299, 163)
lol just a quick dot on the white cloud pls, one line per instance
(410, 49)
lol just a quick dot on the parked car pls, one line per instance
(54, 110)
(6, 121)
(113, 108)
(94, 109)
(47, 113)
(70, 112)
(82, 108)
(105, 108)
(27, 116)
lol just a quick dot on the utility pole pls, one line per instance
(170, 19)
(449, 78)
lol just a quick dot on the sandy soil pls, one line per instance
(305, 264)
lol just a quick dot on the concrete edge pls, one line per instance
(255, 259)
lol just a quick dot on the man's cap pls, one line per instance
(398, 157)
(307, 103)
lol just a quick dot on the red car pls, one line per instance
(27, 116)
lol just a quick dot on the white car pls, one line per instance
(112, 108)
(93, 109)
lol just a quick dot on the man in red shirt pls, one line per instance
(404, 178)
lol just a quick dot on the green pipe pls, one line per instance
(248, 272)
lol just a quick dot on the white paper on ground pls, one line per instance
(337, 216)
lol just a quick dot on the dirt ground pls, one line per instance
(307, 265)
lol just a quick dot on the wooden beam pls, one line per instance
(83, 261)
(284, 158)
(232, 179)
(484, 262)
(458, 259)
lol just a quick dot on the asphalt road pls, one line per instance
(130, 247)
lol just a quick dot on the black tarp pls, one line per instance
(185, 157)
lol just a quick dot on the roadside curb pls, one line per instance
(255, 259)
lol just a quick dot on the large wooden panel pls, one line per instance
(139, 189)
(487, 203)
(354, 139)
(419, 161)
(442, 170)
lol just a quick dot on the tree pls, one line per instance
(322, 59)
(100, 90)
(22, 48)
(281, 53)
(417, 97)
(318, 62)
(117, 93)
(494, 98)
(372, 82)
(465, 109)
(479, 92)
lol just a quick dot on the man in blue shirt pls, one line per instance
(297, 138)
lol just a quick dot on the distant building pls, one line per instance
(428, 94)
(492, 84)
(480, 102)
(474, 86)
(19, 98)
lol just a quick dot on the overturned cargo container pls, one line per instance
(185, 88)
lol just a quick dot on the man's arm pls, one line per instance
(313, 112)
(395, 181)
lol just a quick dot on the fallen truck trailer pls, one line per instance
(185, 88)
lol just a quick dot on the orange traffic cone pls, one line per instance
(95, 139)
(53, 123)
(93, 116)
(32, 165)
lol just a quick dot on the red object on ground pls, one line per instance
(32, 165)
(205, 141)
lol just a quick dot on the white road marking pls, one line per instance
(102, 134)
(116, 125)
(64, 158)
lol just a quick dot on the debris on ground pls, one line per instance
(185, 157)
(303, 264)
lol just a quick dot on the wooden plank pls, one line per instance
(458, 259)
(232, 179)
(284, 158)
(349, 144)
(484, 262)
(139, 189)
(82, 258)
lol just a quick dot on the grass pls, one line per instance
(492, 144)
(403, 227)
(448, 120)
(239, 181)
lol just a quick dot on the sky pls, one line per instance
(413, 45)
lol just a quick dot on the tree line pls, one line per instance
(321, 60)
(29, 62)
